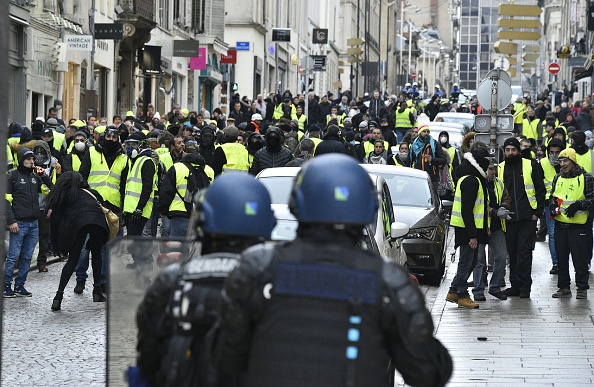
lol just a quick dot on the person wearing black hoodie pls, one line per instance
(470, 216)
(432, 107)
(332, 142)
(207, 145)
(24, 184)
(527, 191)
(254, 143)
(584, 155)
(73, 160)
(274, 154)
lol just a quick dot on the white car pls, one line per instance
(385, 231)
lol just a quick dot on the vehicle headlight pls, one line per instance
(424, 232)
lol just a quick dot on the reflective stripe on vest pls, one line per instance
(278, 112)
(549, 174)
(586, 160)
(528, 183)
(181, 183)
(403, 119)
(339, 119)
(106, 180)
(301, 120)
(571, 191)
(134, 188)
(237, 157)
(478, 210)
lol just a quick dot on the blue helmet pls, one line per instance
(236, 204)
(333, 189)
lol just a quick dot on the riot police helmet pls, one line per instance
(225, 210)
(333, 189)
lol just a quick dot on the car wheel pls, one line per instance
(435, 277)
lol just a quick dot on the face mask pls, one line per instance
(131, 151)
(554, 159)
(273, 141)
(490, 177)
(206, 140)
(111, 146)
(443, 140)
(80, 146)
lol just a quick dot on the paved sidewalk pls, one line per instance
(538, 341)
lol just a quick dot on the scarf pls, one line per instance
(417, 147)
(378, 159)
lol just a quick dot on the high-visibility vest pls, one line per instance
(452, 152)
(161, 150)
(316, 141)
(403, 119)
(520, 109)
(278, 112)
(586, 160)
(9, 158)
(478, 210)
(181, 184)
(134, 188)
(530, 128)
(339, 119)
(528, 183)
(166, 159)
(301, 120)
(237, 157)
(106, 180)
(571, 191)
(499, 196)
(59, 139)
(549, 174)
(369, 147)
(76, 161)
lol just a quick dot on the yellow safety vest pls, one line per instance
(403, 119)
(278, 112)
(59, 139)
(106, 180)
(528, 183)
(339, 119)
(76, 161)
(452, 152)
(478, 210)
(166, 159)
(499, 196)
(301, 120)
(161, 150)
(571, 191)
(316, 141)
(549, 174)
(181, 184)
(520, 109)
(134, 188)
(9, 158)
(237, 157)
(586, 160)
(530, 128)
(369, 147)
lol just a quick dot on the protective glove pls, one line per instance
(553, 210)
(504, 213)
(137, 214)
(572, 209)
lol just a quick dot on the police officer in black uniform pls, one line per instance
(181, 305)
(320, 311)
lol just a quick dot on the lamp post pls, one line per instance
(401, 38)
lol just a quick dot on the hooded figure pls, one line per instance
(467, 142)
(583, 153)
(26, 141)
(207, 145)
(273, 154)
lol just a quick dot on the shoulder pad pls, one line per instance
(211, 265)
(254, 261)
(408, 296)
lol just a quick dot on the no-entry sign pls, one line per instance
(554, 68)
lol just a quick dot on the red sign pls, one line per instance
(554, 68)
(413, 75)
(230, 58)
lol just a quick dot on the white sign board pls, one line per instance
(79, 42)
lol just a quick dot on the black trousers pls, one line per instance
(578, 243)
(139, 252)
(93, 245)
(44, 236)
(520, 238)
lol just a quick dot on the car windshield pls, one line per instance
(459, 120)
(408, 191)
(279, 188)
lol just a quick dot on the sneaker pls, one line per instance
(8, 292)
(562, 293)
(541, 237)
(21, 291)
(42, 267)
(511, 292)
(554, 270)
(452, 297)
(80, 286)
(466, 302)
(582, 294)
(524, 293)
(480, 297)
(499, 294)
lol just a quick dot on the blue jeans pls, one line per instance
(179, 227)
(150, 228)
(466, 263)
(21, 244)
(83, 264)
(499, 249)
(165, 227)
(400, 134)
(551, 232)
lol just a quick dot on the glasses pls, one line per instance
(79, 140)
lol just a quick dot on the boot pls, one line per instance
(80, 286)
(97, 295)
(57, 303)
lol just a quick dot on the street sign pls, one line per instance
(230, 58)
(320, 36)
(502, 62)
(186, 48)
(485, 138)
(242, 46)
(79, 42)
(413, 75)
(482, 123)
(113, 31)
(281, 35)
(484, 93)
(554, 68)
(501, 74)
(319, 62)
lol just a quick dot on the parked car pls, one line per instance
(416, 203)
(466, 119)
(381, 235)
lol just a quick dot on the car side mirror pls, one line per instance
(398, 229)
(447, 204)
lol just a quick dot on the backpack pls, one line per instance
(197, 180)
